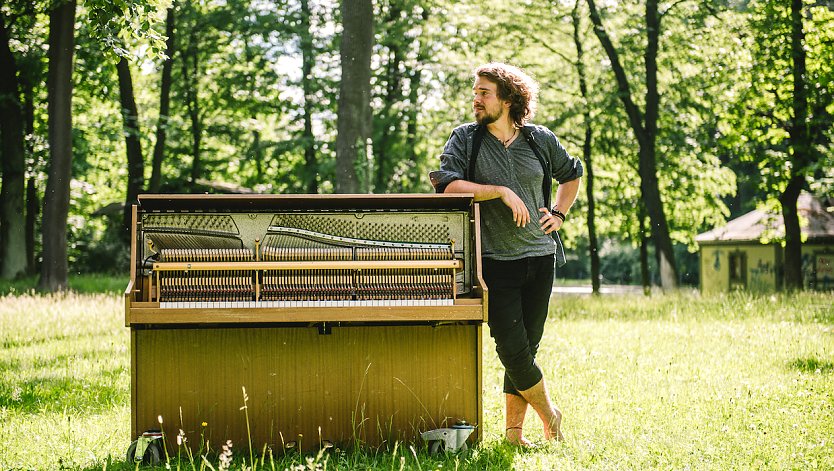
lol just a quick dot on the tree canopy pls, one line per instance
(681, 105)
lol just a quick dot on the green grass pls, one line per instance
(666, 382)
(80, 283)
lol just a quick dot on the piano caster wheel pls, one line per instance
(152, 454)
(439, 446)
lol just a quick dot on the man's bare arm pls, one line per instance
(565, 197)
(521, 216)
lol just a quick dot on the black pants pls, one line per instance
(519, 295)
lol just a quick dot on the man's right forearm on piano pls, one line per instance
(521, 215)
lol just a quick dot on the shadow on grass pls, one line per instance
(812, 365)
(495, 456)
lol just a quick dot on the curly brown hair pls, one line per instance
(514, 86)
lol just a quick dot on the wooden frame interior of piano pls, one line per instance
(385, 373)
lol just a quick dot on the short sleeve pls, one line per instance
(564, 167)
(453, 161)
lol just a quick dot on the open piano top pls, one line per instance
(237, 253)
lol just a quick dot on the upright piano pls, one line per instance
(295, 321)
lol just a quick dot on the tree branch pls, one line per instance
(550, 48)
(623, 88)
(671, 7)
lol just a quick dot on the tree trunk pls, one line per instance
(388, 121)
(645, 132)
(659, 227)
(793, 234)
(32, 202)
(190, 77)
(414, 83)
(354, 117)
(800, 144)
(135, 163)
(193, 104)
(164, 105)
(648, 158)
(12, 228)
(586, 150)
(257, 154)
(308, 58)
(56, 198)
(593, 244)
(645, 278)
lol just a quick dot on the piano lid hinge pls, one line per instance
(324, 328)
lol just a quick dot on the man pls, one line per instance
(509, 179)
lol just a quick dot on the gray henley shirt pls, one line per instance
(518, 169)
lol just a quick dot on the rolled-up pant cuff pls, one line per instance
(519, 295)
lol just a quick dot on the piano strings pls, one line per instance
(237, 276)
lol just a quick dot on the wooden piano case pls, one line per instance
(366, 370)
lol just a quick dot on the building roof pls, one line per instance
(816, 217)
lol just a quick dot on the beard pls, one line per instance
(485, 117)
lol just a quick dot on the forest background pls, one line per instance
(686, 113)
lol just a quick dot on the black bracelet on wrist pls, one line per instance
(558, 214)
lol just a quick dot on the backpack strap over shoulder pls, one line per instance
(477, 139)
(547, 186)
(547, 182)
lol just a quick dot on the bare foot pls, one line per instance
(514, 436)
(554, 432)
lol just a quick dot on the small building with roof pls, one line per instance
(747, 252)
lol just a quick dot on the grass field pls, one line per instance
(665, 382)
